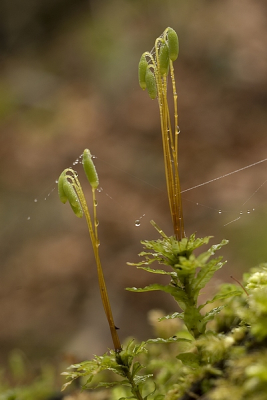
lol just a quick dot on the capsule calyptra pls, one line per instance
(151, 84)
(164, 58)
(142, 67)
(173, 43)
(90, 169)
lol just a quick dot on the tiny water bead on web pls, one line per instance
(137, 222)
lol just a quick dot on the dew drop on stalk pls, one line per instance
(137, 222)
(95, 203)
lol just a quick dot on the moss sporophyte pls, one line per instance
(199, 351)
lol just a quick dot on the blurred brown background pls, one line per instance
(68, 80)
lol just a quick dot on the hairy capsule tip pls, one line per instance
(61, 193)
(164, 58)
(73, 198)
(173, 43)
(89, 169)
(151, 84)
(142, 67)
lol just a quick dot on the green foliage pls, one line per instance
(256, 314)
(190, 274)
(189, 360)
(122, 364)
(16, 383)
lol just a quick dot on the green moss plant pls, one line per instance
(198, 360)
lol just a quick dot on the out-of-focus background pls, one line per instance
(68, 81)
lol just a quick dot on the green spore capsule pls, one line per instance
(90, 169)
(151, 84)
(173, 43)
(61, 193)
(142, 68)
(73, 198)
(164, 58)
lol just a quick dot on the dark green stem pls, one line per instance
(129, 376)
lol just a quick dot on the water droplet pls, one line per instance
(248, 212)
(28, 218)
(220, 211)
(137, 222)
(95, 203)
(45, 198)
(178, 129)
(96, 222)
(100, 189)
(241, 213)
(253, 209)
(35, 200)
(197, 204)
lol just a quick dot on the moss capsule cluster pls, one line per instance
(152, 67)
